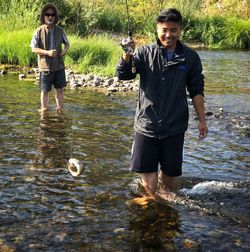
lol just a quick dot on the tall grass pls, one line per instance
(219, 32)
(95, 54)
(236, 34)
(14, 48)
(19, 14)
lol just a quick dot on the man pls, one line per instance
(47, 44)
(166, 68)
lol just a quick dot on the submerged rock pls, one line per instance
(3, 72)
(21, 76)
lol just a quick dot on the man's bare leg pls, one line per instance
(150, 182)
(59, 98)
(44, 100)
(167, 182)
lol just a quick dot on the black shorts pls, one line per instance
(148, 153)
(57, 78)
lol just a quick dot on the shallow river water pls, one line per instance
(44, 208)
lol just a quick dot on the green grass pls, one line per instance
(218, 32)
(95, 54)
(236, 34)
(14, 48)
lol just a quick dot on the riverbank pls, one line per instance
(75, 80)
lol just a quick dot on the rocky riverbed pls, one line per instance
(110, 84)
(78, 81)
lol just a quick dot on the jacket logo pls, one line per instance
(182, 67)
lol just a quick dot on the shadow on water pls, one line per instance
(42, 207)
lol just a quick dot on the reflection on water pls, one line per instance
(153, 226)
(42, 207)
(53, 147)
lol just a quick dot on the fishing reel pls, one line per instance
(126, 45)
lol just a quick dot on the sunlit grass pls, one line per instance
(218, 32)
(14, 48)
(95, 54)
(236, 33)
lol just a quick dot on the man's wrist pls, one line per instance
(126, 57)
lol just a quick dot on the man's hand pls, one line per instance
(198, 102)
(63, 53)
(66, 48)
(128, 46)
(203, 130)
(52, 53)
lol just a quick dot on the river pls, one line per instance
(44, 208)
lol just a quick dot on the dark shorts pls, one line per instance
(48, 79)
(148, 153)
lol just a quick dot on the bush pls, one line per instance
(236, 34)
(15, 48)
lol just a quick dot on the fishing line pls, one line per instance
(128, 20)
(74, 165)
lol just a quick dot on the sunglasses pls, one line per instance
(50, 14)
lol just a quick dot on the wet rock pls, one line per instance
(21, 76)
(113, 89)
(220, 114)
(190, 101)
(90, 77)
(31, 71)
(209, 113)
(3, 72)
(97, 81)
(108, 82)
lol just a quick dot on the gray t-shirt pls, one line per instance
(34, 41)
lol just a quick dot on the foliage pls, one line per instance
(228, 8)
(236, 34)
(95, 54)
(82, 16)
(19, 14)
(218, 32)
(206, 30)
(14, 48)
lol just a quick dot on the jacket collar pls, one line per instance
(178, 54)
(179, 46)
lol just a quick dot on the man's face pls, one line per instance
(49, 17)
(168, 33)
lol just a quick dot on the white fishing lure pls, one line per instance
(75, 167)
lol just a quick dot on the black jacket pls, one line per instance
(162, 108)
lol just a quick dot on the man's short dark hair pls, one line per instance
(171, 14)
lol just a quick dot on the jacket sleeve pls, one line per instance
(195, 81)
(124, 70)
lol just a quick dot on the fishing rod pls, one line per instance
(126, 42)
(128, 20)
